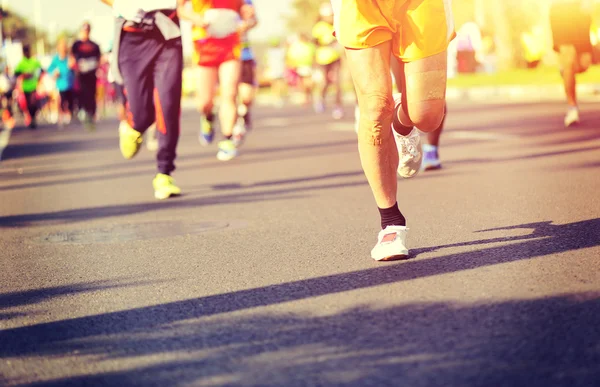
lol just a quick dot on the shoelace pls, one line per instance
(410, 146)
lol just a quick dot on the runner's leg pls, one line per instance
(229, 75)
(424, 95)
(370, 69)
(207, 78)
(168, 70)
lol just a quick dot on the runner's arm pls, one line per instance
(189, 14)
(249, 20)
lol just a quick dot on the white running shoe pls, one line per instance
(410, 153)
(409, 148)
(391, 244)
(572, 117)
(338, 113)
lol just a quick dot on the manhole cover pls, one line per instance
(132, 232)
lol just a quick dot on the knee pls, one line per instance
(585, 62)
(428, 116)
(229, 96)
(376, 111)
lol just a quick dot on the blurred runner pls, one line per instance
(61, 68)
(218, 25)
(276, 70)
(28, 73)
(389, 143)
(7, 88)
(301, 59)
(533, 42)
(329, 62)
(87, 56)
(248, 84)
(149, 62)
(571, 21)
(47, 98)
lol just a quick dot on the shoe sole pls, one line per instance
(225, 158)
(130, 156)
(398, 257)
(432, 168)
(161, 196)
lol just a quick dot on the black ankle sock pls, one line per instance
(247, 118)
(391, 217)
(210, 117)
(397, 125)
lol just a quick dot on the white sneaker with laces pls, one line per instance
(572, 117)
(391, 244)
(409, 148)
(410, 153)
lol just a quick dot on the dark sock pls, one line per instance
(210, 117)
(397, 125)
(247, 119)
(228, 137)
(391, 217)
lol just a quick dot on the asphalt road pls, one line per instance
(260, 275)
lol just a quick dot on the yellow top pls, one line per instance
(301, 54)
(326, 52)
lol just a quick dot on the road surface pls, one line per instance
(260, 275)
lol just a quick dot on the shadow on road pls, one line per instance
(264, 154)
(476, 160)
(34, 296)
(78, 215)
(541, 342)
(84, 214)
(46, 148)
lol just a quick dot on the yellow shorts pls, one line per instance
(417, 28)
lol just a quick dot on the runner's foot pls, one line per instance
(409, 149)
(227, 150)
(431, 160)
(572, 117)
(207, 133)
(164, 187)
(391, 244)
(130, 140)
(338, 113)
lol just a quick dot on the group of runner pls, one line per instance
(68, 80)
(406, 38)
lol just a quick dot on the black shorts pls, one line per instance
(570, 26)
(248, 75)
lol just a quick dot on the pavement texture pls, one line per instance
(260, 275)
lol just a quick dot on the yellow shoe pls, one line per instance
(130, 140)
(164, 187)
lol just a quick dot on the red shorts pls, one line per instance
(212, 52)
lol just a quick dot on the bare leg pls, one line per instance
(424, 95)
(229, 76)
(370, 69)
(433, 137)
(208, 77)
(568, 64)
